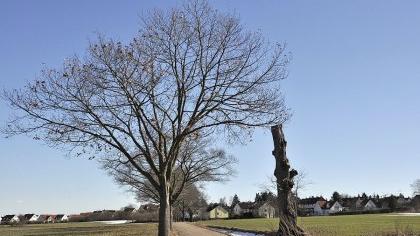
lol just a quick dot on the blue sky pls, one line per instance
(353, 88)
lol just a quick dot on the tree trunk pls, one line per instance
(183, 210)
(164, 213)
(171, 217)
(284, 175)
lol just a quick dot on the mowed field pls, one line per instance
(79, 229)
(355, 225)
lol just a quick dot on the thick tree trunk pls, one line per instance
(171, 217)
(164, 213)
(284, 175)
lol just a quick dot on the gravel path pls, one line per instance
(185, 229)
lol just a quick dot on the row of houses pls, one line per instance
(33, 218)
(243, 209)
(62, 218)
(320, 206)
(316, 206)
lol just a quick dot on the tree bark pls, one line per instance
(284, 176)
(171, 217)
(164, 213)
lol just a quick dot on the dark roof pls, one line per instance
(215, 206)
(246, 205)
(28, 216)
(7, 218)
(311, 200)
(364, 202)
(59, 217)
(149, 207)
(349, 202)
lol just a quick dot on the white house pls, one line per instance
(31, 218)
(46, 219)
(9, 219)
(335, 207)
(313, 206)
(243, 208)
(61, 218)
(369, 205)
(266, 210)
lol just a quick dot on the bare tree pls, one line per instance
(300, 181)
(190, 71)
(416, 187)
(191, 201)
(197, 163)
(284, 177)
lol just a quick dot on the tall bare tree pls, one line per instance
(191, 201)
(198, 163)
(190, 71)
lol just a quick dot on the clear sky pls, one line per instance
(353, 86)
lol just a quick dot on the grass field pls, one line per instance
(356, 225)
(80, 229)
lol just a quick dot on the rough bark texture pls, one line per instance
(164, 213)
(284, 175)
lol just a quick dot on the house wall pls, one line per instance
(336, 207)
(266, 211)
(370, 205)
(237, 210)
(218, 213)
(34, 218)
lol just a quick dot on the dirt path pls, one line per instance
(185, 229)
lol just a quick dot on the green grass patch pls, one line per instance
(79, 229)
(355, 225)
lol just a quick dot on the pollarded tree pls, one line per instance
(190, 71)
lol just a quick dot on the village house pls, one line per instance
(369, 204)
(403, 201)
(46, 219)
(10, 219)
(61, 218)
(334, 207)
(313, 206)
(218, 212)
(351, 203)
(265, 210)
(31, 218)
(243, 209)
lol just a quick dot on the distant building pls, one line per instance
(61, 218)
(351, 203)
(369, 204)
(218, 212)
(265, 210)
(334, 207)
(31, 218)
(313, 206)
(243, 209)
(10, 219)
(46, 219)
